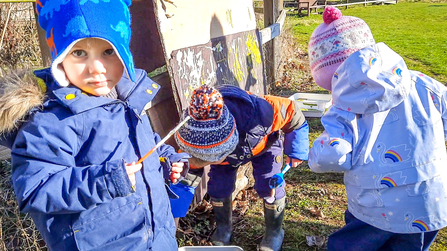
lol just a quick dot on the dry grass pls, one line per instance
(19, 48)
(17, 231)
(293, 71)
(19, 45)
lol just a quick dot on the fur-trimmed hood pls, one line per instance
(20, 92)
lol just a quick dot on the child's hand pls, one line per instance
(176, 169)
(293, 162)
(131, 169)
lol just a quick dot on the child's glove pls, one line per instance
(167, 162)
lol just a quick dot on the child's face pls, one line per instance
(93, 66)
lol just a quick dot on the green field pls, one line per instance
(417, 31)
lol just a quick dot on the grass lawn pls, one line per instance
(417, 31)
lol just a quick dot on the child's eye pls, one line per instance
(79, 53)
(109, 52)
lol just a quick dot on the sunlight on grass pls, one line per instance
(414, 30)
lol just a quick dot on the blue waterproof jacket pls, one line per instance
(386, 131)
(258, 118)
(69, 173)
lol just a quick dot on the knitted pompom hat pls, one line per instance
(68, 21)
(333, 41)
(211, 133)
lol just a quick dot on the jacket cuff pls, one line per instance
(118, 183)
(192, 178)
(296, 143)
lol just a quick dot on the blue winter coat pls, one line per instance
(386, 131)
(257, 118)
(69, 175)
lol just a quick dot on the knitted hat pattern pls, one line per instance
(211, 133)
(68, 21)
(333, 41)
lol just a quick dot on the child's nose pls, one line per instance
(97, 67)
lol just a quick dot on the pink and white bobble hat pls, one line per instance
(333, 41)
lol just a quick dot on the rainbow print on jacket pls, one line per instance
(393, 156)
(397, 71)
(420, 225)
(372, 61)
(387, 181)
(334, 142)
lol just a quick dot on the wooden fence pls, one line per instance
(314, 5)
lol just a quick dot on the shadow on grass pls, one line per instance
(303, 174)
(297, 234)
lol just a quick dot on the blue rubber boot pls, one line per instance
(274, 234)
(223, 216)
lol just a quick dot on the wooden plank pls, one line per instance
(165, 91)
(192, 22)
(162, 109)
(145, 44)
(273, 30)
(164, 117)
(228, 60)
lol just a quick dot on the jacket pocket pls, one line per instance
(114, 226)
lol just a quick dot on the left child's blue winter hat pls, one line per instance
(68, 21)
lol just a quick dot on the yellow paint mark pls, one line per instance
(253, 49)
(186, 92)
(76, 231)
(249, 13)
(149, 91)
(250, 69)
(229, 18)
(238, 74)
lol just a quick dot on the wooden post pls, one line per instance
(44, 50)
(146, 42)
(308, 9)
(272, 10)
(347, 1)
